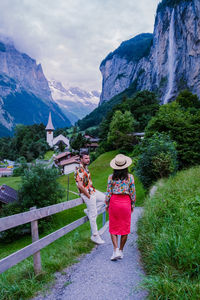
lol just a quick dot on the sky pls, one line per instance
(70, 38)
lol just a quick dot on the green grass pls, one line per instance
(13, 182)
(48, 155)
(63, 252)
(169, 238)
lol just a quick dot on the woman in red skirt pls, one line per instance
(120, 201)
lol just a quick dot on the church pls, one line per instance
(55, 141)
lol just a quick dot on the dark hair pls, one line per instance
(83, 153)
(120, 174)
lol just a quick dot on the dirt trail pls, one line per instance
(95, 277)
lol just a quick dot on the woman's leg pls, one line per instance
(123, 241)
(114, 239)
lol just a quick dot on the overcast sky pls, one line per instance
(70, 38)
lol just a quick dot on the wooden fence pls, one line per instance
(37, 244)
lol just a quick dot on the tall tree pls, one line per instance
(120, 131)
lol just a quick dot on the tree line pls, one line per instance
(29, 141)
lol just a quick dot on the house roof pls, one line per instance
(7, 194)
(61, 138)
(50, 124)
(72, 160)
(91, 139)
(5, 170)
(63, 154)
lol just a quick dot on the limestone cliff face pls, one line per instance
(25, 96)
(120, 67)
(173, 62)
(24, 71)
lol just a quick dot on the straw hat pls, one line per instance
(120, 162)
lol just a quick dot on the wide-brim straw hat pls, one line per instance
(120, 162)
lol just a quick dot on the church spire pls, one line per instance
(50, 124)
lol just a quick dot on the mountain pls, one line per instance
(74, 102)
(25, 96)
(170, 60)
(119, 67)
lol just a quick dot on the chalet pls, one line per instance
(68, 165)
(91, 138)
(7, 195)
(6, 172)
(62, 156)
(92, 146)
(92, 142)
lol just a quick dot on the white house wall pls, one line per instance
(70, 168)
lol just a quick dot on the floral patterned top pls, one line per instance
(126, 186)
(82, 173)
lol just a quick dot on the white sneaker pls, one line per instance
(121, 254)
(97, 239)
(116, 254)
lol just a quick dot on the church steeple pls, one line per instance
(50, 124)
(49, 129)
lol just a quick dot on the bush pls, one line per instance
(158, 159)
(38, 188)
(182, 126)
(11, 234)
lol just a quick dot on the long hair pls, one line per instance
(120, 174)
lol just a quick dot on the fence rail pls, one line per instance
(36, 214)
(33, 216)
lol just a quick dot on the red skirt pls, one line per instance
(120, 214)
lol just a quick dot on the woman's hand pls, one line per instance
(107, 208)
(132, 208)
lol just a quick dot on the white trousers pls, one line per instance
(94, 204)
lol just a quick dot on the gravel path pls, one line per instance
(95, 277)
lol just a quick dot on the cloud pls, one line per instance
(70, 38)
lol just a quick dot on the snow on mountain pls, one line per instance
(74, 102)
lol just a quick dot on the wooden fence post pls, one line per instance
(35, 237)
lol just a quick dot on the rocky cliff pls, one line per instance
(173, 61)
(25, 96)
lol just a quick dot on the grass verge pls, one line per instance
(169, 238)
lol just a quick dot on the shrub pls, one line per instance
(158, 159)
(183, 127)
(38, 188)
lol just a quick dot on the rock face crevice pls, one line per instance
(173, 62)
